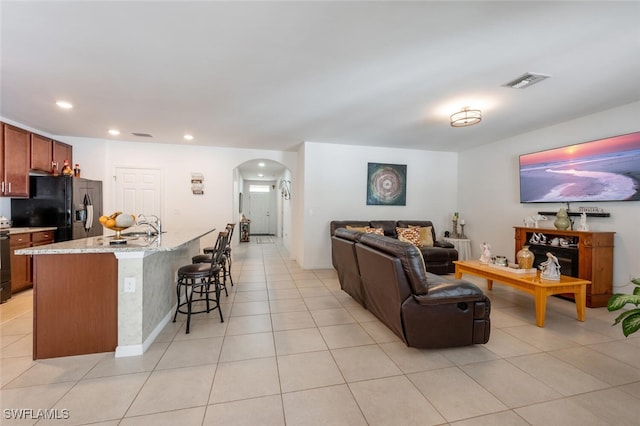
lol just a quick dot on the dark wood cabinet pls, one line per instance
(22, 265)
(593, 252)
(41, 153)
(16, 154)
(61, 152)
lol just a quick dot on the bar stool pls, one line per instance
(227, 261)
(207, 258)
(198, 279)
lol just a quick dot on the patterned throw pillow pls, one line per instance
(425, 235)
(377, 231)
(409, 235)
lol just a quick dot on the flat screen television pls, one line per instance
(602, 170)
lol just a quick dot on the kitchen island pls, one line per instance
(92, 296)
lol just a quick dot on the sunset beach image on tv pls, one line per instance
(601, 170)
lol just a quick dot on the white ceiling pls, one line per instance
(271, 75)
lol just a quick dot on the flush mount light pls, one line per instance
(64, 104)
(466, 117)
(260, 175)
(261, 164)
(114, 132)
(188, 137)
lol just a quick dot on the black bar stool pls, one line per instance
(227, 261)
(203, 280)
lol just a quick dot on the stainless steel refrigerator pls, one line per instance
(72, 205)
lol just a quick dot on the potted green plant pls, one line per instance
(630, 319)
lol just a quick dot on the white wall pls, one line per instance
(488, 188)
(334, 188)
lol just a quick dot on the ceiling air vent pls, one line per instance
(526, 80)
(142, 135)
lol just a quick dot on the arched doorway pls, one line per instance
(262, 192)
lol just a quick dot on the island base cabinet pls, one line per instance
(75, 304)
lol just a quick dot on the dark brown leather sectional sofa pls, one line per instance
(438, 259)
(389, 279)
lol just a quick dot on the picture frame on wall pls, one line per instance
(386, 184)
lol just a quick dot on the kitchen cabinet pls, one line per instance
(16, 156)
(41, 153)
(21, 265)
(61, 152)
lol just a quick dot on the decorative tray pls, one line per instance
(513, 270)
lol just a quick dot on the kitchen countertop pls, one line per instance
(167, 241)
(13, 231)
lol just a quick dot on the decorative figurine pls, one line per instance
(550, 268)
(485, 257)
(532, 221)
(583, 223)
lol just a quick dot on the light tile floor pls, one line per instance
(296, 350)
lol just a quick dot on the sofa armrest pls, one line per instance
(443, 244)
(451, 291)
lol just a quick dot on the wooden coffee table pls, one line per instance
(530, 283)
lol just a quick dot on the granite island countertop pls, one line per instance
(29, 230)
(167, 241)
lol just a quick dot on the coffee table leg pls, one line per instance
(581, 302)
(541, 306)
(489, 284)
(458, 273)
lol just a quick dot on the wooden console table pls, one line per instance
(594, 253)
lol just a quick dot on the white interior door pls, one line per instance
(138, 191)
(260, 213)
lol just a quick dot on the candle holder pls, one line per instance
(454, 232)
(462, 236)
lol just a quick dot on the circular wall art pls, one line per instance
(387, 184)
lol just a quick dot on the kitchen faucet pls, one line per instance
(152, 221)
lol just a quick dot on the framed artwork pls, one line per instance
(386, 184)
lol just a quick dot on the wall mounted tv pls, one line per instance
(601, 170)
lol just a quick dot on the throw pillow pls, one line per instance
(409, 235)
(357, 228)
(425, 235)
(377, 231)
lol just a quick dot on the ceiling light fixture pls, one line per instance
(114, 132)
(64, 104)
(466, 117)
(261, 164)
(188, 137)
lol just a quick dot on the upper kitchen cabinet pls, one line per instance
(16, 158)
(61, 152)
(41, 153)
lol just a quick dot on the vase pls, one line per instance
(525, 258)
(562, 222)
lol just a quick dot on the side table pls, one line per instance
(463, 245)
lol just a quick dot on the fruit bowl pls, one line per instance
(118, 222)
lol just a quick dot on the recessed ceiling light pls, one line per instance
(114, 132)
(260, 175)
(64, 104)
(188, 137)
(261, 164)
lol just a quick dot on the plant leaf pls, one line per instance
(631, 324)
(624, 315)
(617, 301)
(636, 281)
(636, 291)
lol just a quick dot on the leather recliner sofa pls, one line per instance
(438, 258)
(425, 310)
